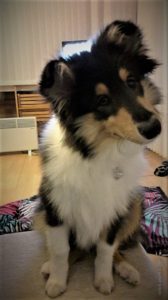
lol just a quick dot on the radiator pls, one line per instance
(18, 134)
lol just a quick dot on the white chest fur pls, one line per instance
(85, 191)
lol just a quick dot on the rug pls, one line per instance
(18, 216)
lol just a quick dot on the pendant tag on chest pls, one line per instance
(117, 173)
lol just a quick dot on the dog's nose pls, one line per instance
(150, 130)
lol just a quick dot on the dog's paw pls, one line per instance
(45, 269)
(104, 285)
(53, 288)
(128, 273)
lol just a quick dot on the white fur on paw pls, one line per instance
(45, 269)
(128, 273)
(53, 288)
(104, 285)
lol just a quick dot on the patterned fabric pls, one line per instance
(155, 220)
(18, 216)
(162, 170)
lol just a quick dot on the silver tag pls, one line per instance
(117, 173)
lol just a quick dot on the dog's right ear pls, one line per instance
(124, 34)
(56, 83)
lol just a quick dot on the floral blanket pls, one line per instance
(154, 223)
(18, 216)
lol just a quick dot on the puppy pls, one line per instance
(92, 152)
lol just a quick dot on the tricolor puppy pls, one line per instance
(92, 152)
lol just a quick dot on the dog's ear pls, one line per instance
(124, 34)
(56, 83)
(146, 65)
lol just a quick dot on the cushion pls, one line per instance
(23, 253)
(154, 223)
(18, 216)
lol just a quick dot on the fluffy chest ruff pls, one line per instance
(85, 192)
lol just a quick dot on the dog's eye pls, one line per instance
(103, 100)
(131, 82)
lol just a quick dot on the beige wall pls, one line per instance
(32, 31)
(152, 17)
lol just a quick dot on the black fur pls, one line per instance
(132, 40)
(79, 144)
(128, 28)
(44, 154)
(113, 230)
(71, 90)
(52, 215)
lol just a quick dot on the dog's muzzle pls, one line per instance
(149, 130)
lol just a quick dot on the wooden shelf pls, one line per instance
(26, 101)
(33, 104)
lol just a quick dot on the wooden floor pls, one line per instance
(21, 175)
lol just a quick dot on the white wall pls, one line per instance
(165, 86)
(32, 31)
(152, 17)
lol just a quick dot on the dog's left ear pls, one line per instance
(56, 80)
(124, 34)
(56, 85)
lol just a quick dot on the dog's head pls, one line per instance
(105, 93)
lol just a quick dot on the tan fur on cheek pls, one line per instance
(123, 126)
(94, 132)
(148, 105)
(90, 129)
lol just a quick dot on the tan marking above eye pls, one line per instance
(101, 89)
(123, 73)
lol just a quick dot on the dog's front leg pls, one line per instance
(57, 266)
(103, 280)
